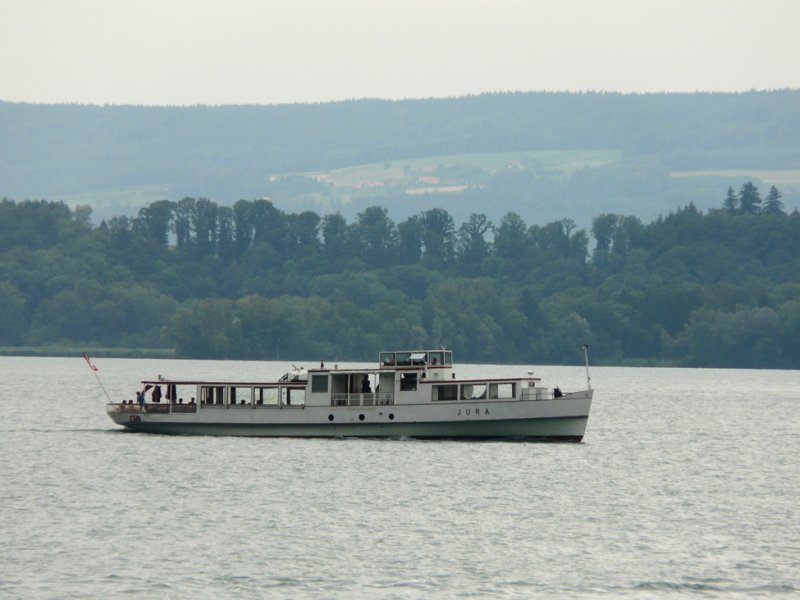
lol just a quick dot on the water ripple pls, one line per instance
(684, 487)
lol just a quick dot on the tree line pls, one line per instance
(715, 288)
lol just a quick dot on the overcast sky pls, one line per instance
(278, 51)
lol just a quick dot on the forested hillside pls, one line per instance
(120, 158)
(701, 288)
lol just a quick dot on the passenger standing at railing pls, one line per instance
(365, 386)
(140, 398)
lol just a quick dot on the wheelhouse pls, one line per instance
(416, 358)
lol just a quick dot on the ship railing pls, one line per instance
(154, 408)
(363, 399)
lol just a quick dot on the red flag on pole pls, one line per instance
(94, 371)
(89, 361)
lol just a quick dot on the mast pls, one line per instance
(585, 348)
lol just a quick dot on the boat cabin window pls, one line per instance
(293, 396)
(418, 359)
(448, 358)
(266, 395)
(319, 384)
(475, 391)
(445, 392)
(403, 359)
(435, 358)
(340, 383)
(501, 391)
(387, 359)
(182, 394)
(241, 395)
(408, 382)
(210, 394)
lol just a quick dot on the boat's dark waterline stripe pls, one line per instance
(473, 430)
(146, 428)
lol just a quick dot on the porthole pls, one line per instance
(391, 416)
(361, 417)
(330, 417)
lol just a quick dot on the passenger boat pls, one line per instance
(409, 394)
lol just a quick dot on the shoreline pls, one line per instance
(94, 352)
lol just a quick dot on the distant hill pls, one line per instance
(543, 155)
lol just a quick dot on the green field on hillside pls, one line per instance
(409, 171)
(437, 173)
(335, 190)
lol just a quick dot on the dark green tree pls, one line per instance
(749, 199)
(156, 220)
(472, 246)
(604, 227)
(438, 236)
(772, 203)
(204, 225)
(375, 236)
(242, 226)
(182, 223)
(226, 242)
(731, 204)
(304, 228)
(628, 234)
(409, 233)
(334, 236)
(266, 221)
(511, 237)
(12, 315)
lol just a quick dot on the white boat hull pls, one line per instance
(561, 419)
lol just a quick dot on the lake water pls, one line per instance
(687, 484)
